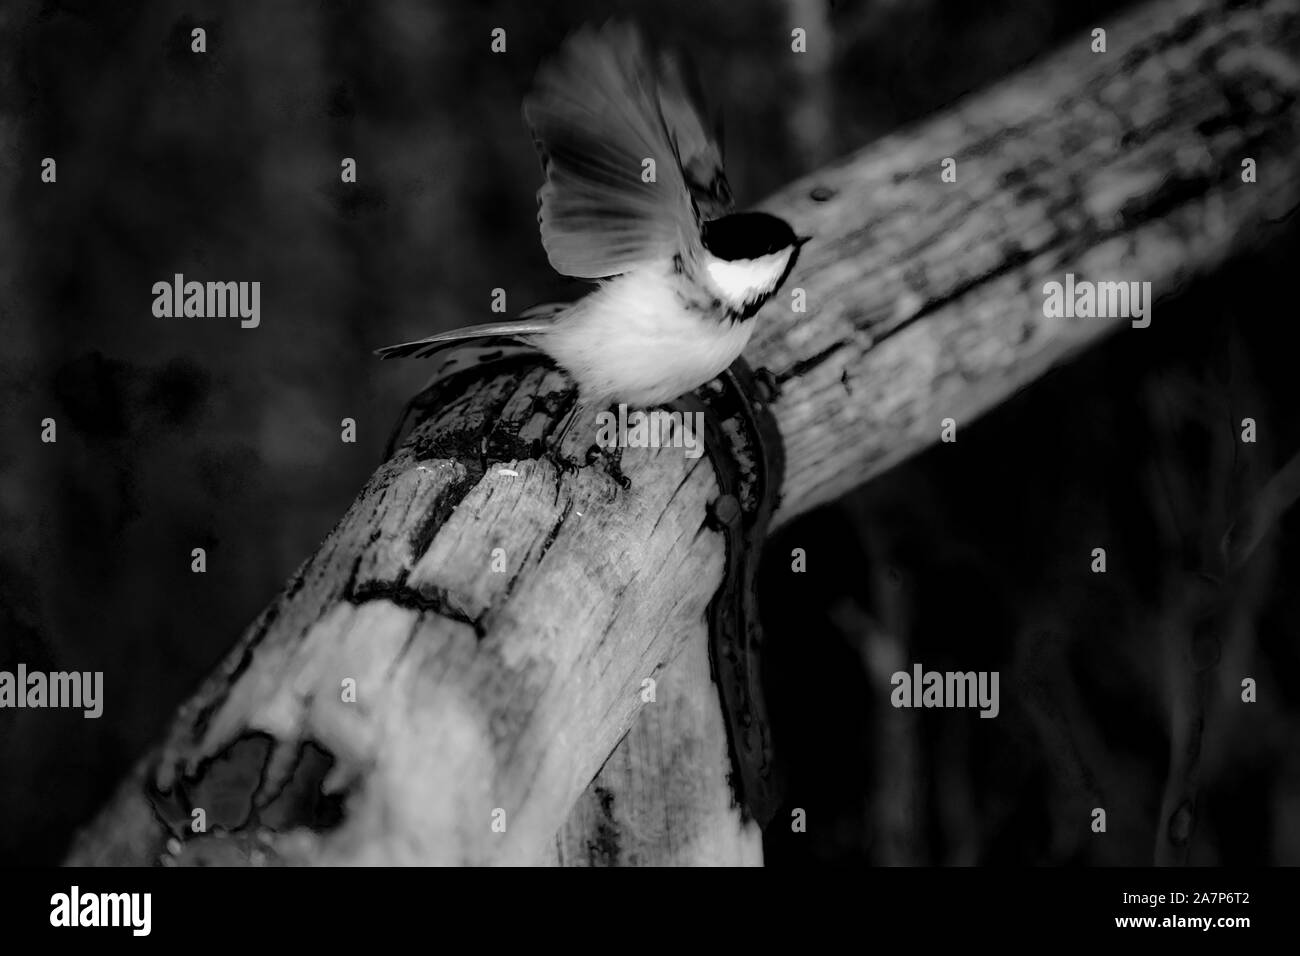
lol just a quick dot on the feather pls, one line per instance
(512, 332)
(596, 117)
(700, 151)
(544, 310)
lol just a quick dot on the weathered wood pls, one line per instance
(925, 298)
(662, 798)
(477, 690)
(481, 690)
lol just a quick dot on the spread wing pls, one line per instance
(596, 117)
(700, 150)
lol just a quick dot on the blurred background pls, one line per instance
(183, 433)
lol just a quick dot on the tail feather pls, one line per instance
(462, 355)
(513, 332)
(486, 351)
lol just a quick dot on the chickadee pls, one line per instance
(680, 276)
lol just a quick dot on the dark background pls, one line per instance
(183, 433)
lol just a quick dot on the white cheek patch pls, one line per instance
(746, 279)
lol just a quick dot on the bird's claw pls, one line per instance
(613, 463)
(563, 465)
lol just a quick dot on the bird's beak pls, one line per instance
(800, 240)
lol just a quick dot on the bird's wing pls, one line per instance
(699, 148)
(596, 118)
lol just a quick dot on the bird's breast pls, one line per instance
(646, 338)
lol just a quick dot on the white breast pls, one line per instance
(743, 280)
(633, 340)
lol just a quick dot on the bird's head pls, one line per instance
(747, 257)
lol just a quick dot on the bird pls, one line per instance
(635, 198)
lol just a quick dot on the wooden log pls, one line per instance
(924, 298)
(662, 797)
(486, 701)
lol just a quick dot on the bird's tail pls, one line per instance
(462, 350)
(491, 335)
